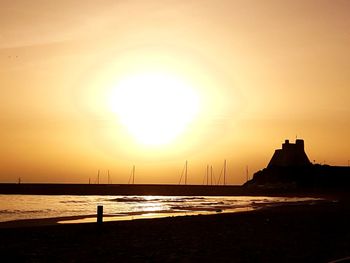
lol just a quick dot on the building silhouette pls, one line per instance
(291, 154)
(290, 169)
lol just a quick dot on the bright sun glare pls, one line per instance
(154, 107)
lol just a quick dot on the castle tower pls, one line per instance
(291, 154)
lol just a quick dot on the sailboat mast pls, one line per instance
(246, 171)
(108, 177)
(225, 172)
(207, 174)
(211, 174)
(133, 174)
(186, 172)
(98, 177)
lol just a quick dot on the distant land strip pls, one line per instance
(119, 189)
(150, 189)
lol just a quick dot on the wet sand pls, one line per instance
(288, 233)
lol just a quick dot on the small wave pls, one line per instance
(6, 211)
(129, 199)
(192, 198)
(195, 208)
(213, 203)
(185, 199)
(73, 201)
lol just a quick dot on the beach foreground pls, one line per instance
(289, 233)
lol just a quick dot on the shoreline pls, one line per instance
(82, 217)
(92, 219)
(288, 233)
(107, 218)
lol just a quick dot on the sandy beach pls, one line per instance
(288, 233)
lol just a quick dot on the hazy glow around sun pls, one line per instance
(154, 107)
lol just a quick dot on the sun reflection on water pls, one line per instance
(21, 207)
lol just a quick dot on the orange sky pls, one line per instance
(267, 70)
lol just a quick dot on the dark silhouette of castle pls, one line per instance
(290, 168)
(291, 154)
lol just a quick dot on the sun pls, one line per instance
(154, 107)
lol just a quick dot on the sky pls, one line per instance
(239, 78)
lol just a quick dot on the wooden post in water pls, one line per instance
(99, 214)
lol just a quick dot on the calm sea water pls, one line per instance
(18, 207)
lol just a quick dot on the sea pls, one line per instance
(78, 209)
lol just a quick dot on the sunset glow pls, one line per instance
(88, 85)
(154, 107)
(137, 110)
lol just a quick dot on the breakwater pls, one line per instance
(121, 189)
